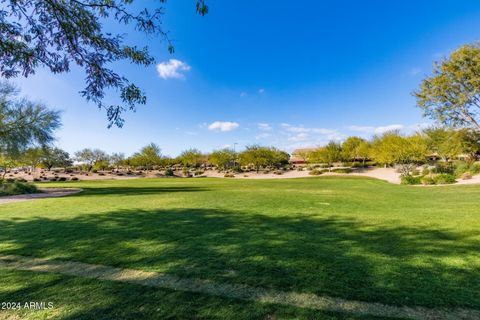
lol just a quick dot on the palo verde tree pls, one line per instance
(148, 157)
(355, 148)
(55, 34)
(23, 124)
(222, 158)
(451, 95)
(444, 142)
(394, 149)
(328, 154)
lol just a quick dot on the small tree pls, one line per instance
(56, 157)
(407, 152)
(191, 158)
(258, 157)
(355, 148)
(446, 143)
(33, 157)
(222, 158)
(117, 160)
(328, 154)
(148, 157)
(89, 157)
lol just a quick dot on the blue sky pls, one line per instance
(283, 73)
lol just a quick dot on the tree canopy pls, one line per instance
(452, 94)
(56, 34)
(24, 123)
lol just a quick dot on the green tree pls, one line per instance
(55, 34)
(446, 143)
(355, 148)
(328, 154)
(33, 157)
(23, 123)
(452, 95)
(222, 158)
(56, 158)
(192, 158)
(394, 149)
(90, 156)
(257, 156)
(470, 143)
(148, 157)
(117, 160)
(6, 163)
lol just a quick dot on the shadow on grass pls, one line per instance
(136, 191)
(327, 256)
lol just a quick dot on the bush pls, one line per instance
(428, 180)
(410, 180)
(62, 179)
(53, 179)
(169, 173)
(415, 172)
(425, 171)
(229, 175)
(74, 179)
(315, 172)
(444, 167)
(36, 179)
(445, 178)
(463, 167)
(16, 187)
(278, 172)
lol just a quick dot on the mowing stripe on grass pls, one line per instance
(242, 292)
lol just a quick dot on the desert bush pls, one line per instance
(36, 179)
(278, 172)
(229, 175)
(425, 171)
(62, 179)
(53, 179)
(428, 180)
(410, 180)
(342, 170)
(169, 172)
(16, 187)
(444, 178)
(74, 179)
(415, 172)
(315, 172)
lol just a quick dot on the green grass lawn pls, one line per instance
(353, 238)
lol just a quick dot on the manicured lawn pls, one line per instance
(352, 238)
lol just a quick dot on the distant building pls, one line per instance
(299, 156)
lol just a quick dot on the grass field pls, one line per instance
(353, 238)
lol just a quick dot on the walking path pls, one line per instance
(45, 193)
(242, 292)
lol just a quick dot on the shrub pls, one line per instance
(444, 167)
(299, 169)
(53, 179)
(425, 171)
(229, 175)
(62, 179)
(101, 174)
(343, 170)
(74, 179)
(444, 178)
(428, 180)
(315, 172)
(16, 187)
(237, 169)
(278, 172)
(415, 172)
(119, 174)
(169, 172)
(36, 179)
(411, 180)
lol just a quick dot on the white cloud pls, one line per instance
(262, 126)
(223, 126)
(172, 69)
(376, 130)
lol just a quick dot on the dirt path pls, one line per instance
(242, 292)
(45, 193)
